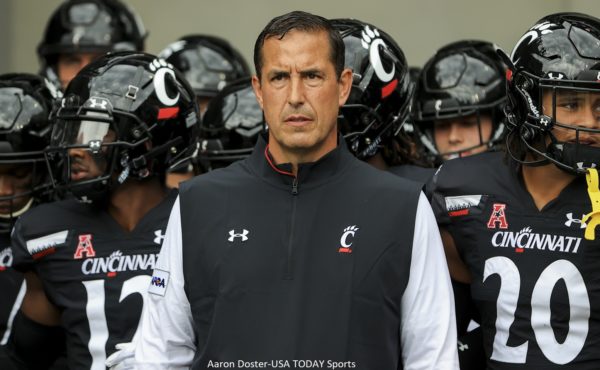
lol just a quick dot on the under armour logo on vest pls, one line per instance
(233, 235)
(159, 237)
(571, 220)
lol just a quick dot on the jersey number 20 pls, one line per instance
(510, 284)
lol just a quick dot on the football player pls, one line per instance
(87, 260)
(379, 103)
(515, 227)
(459, 101)
(229, 127)
(25, 104)
(79, 31)
(209, 63)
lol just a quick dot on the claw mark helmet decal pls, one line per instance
(381, 91)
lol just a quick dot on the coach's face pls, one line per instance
(300, 93)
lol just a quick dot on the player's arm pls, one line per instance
(36, 329)
(167, 338)
(428, 329)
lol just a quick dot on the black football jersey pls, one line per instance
(536, 279)
(10, 281)
(419, 174)
(96, 273)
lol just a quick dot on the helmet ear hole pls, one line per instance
(523, 82)
(527, 133)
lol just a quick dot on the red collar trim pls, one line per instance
(270, 161)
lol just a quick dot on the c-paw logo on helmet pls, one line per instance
(161, 69)
(372, 41)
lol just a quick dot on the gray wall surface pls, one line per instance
(420, 27)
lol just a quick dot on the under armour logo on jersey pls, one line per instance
(345, 247)
(372, 41)
(233, 235)
(84, 246)
(462, 347)
(438, 105)
(498, 216)
(570, 221)
(159, 237)
(161, 68)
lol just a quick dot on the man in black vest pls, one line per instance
(301, 255)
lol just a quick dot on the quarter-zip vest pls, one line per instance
(306, 267)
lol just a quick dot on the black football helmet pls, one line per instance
(463, 78)
(379, 100)
(25, 103)
(230, 126)
(89, 26)
(207, 62)
(560, 56)
(132, 112)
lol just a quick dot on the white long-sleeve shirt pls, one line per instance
(428, 329)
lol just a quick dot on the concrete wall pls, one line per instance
(419, 26)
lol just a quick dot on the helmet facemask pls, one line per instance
(94, 150)
(25, 102)
(29, 182)
(473, 118)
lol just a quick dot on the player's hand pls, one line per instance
(123, 359)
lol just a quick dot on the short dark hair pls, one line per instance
(301, 21)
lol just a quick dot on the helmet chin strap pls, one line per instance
(19, 212)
